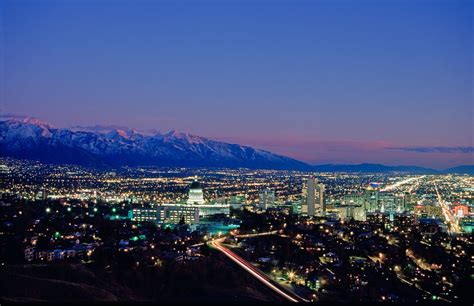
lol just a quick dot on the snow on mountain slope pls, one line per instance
(118, 146)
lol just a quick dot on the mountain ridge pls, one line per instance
(32, 139)
(113, 146)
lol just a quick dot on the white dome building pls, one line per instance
(195, 194)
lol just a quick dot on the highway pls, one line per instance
(255, 235)
(253, 271)
(453, 226)
(403, 182)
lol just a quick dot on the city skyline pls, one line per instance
(209, 234)
(314, 81)
(237, 151)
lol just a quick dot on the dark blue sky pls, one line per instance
(323, 81)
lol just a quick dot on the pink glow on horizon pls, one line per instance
(350, 152)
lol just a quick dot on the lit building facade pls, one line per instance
(173, 214)
(266, 199)
(196, 199)
(141, 214)
(314, 197)
(165, 213)
(347, 212)
(192, 211)
(460, 211)
(195, 196)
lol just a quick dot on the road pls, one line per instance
(262, 277)
(255, 234)
(403, 182)
(453, 226)
(419, 288)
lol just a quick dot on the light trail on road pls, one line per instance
(453, 225)
(403, 182)
(255, 235)
(249, 268)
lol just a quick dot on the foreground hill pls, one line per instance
(196, 282)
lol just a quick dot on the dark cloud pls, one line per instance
(434, 149)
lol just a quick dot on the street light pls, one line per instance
(291, 275)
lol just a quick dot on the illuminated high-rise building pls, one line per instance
(320, 201)
(310, 200)
(314, 197)
(371, 201)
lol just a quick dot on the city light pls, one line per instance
(278, 244)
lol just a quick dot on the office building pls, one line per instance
(173, 214)
(140, 214)
(314, 197)
(267, 199)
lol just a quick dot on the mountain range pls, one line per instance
(114, 146)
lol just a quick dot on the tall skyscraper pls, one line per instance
(371, 202)
(310, 192)
(320, 198)
(314, 197)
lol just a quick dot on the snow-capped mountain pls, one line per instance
(118, 146)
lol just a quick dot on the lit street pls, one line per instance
(453, 226)
(252, 270)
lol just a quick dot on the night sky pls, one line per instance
(321, 81)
